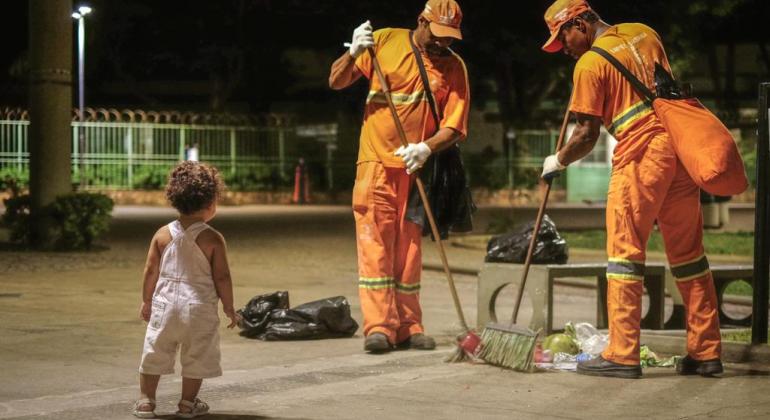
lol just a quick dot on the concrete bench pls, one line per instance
(493, 277)
(723, 275)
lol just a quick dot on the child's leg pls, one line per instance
(190, 406)
(145, 405)
(190, 388)
(148, 384)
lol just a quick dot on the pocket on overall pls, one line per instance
(704, 146)
(157, 315)
(204, 316)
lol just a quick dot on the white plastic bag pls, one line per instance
(591, 341)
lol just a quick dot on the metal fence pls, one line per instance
(139, 155)
(125, 155)
(14, 150)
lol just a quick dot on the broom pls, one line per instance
(510, 345)
(467, 342)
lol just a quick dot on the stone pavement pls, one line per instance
(70, 340)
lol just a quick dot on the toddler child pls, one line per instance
(185, 275)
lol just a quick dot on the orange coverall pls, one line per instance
(648, 183)
(389, 258)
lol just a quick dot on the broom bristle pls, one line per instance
(508, 346)
(458, 356)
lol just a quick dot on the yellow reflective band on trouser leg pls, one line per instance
(623, 269)
(375, 283)
(408, 289)
(689, 270)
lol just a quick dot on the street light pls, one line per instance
(80, 15)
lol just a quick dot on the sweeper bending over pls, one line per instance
(649, 182)
(389, 258)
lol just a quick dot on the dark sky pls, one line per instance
(172, 53)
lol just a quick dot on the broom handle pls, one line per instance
(421, 189)
(538, 221)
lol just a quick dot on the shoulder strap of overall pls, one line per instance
(635, 82)
(425, 83)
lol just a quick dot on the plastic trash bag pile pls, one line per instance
(577, 343)
(550, 247)
(582, 342)
(268, 317)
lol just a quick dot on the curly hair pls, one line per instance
(193, 186)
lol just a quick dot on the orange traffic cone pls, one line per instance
(301, 184)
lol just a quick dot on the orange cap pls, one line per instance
(444, 17)
(560, 12)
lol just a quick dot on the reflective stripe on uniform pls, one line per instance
(691, 269)
(375, 283)
(623, 269)
(628, 116)
(408, 289)
(377, 96)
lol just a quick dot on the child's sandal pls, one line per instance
(197, 408)
(141, 411)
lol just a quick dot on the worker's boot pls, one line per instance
(602, 367)
(376, 343)
(418, 341)
(689, 366)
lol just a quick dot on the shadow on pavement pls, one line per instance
(228, 416)
(745, 372)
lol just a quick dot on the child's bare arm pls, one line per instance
(220, 271)
(151, 274)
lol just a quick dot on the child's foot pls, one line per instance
(190, 409)
(144, 408)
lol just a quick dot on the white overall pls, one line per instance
(184, 310)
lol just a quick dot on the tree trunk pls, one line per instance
(50, 109)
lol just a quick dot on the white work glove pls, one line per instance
(552, 167)
(362, 39)
(414, 156)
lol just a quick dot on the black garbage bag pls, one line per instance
(550, 247)
(446, 187)
(256, 313)
(269, 318)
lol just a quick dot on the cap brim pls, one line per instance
(443, 31)
(553, 44)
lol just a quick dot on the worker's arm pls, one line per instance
(453, 124)
(580, 144)
(151, 274)
(443, 139)
(344, 70)
(415, 154)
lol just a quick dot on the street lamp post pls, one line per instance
(80, 15)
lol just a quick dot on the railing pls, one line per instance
(257, 155)
(14, 150)
(125, 155)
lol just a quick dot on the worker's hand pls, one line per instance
(362, 39)
(552, 167)
(235, 317)
(414, 155)
(145, 311)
